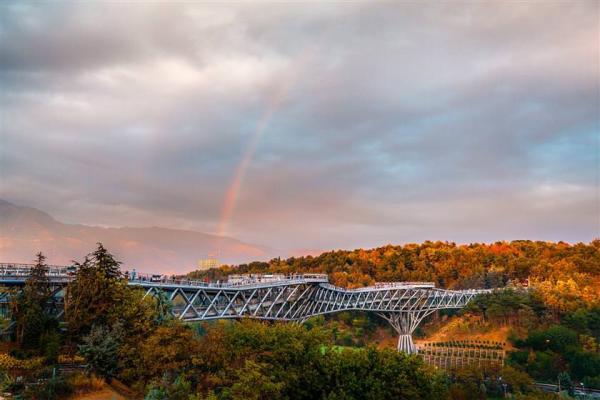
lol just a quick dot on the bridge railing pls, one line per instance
(18, 270)
(246, 281)
(384, 285)
(271, 278)
(404, 284)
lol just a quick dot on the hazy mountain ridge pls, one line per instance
(25, 231)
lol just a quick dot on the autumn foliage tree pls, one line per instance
(566, 275)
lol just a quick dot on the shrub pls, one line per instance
(100, 349)
(81, 383)
(8, 362)
(68, 359)
(50, 345)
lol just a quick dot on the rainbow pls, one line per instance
(277, 97)
(233, 190)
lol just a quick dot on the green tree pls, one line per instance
(374, 374)
(179, 389)
(254, 382)
(30, 306)
(91, 297)
(106, 263)
(518, 381)
(100, 349)
(50, 346)
(164, 307)
(565, 382)
(170, 349)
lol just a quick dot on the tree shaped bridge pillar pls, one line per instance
(405, 323)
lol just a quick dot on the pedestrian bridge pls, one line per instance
(277, 297)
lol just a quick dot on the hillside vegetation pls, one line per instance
(122, 335)
(566, 276)
(552, 328)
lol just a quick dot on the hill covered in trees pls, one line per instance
(566, 276)
(553, 326)
(117, 333)
(120, 334)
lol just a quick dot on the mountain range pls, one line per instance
(24, 231)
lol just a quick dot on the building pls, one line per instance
(207, 263)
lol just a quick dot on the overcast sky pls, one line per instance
(334, 125)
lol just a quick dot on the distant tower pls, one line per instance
(211, 261)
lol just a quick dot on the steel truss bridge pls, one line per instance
(278, 297)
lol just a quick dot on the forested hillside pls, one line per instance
(553, 325)
(120, 335)
(567, 276)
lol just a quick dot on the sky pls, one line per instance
(305, 126)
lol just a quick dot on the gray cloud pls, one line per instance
(399, 122)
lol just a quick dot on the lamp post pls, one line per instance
(504, 385)
(558, 384)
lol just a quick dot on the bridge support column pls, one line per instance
(406, 344)
(405, 323)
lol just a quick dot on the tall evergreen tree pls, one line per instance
(30, 306)
(37, 287)
(91, 297)
(106, 263)
(163, 307)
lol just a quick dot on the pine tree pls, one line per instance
(37, 286)
(91, 297)
(163, 308)
(106, 263)
(30, 306)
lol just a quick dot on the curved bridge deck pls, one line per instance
(282, 298)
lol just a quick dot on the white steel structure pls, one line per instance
(286, 298)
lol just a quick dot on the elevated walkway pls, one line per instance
(278, 297)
